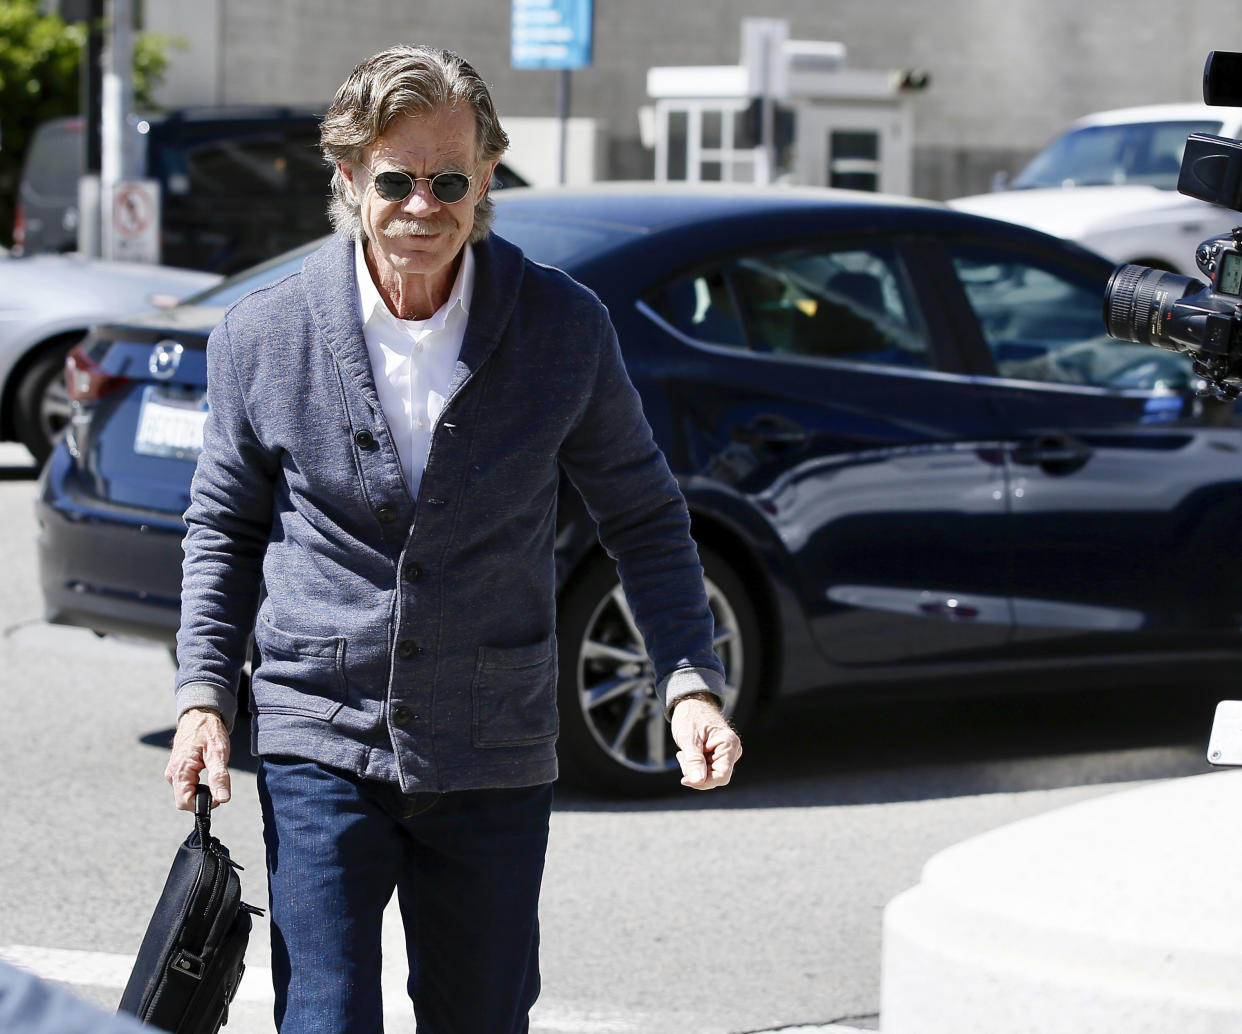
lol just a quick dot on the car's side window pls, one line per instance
(821, 303)
(701, 307)
(1042, 325)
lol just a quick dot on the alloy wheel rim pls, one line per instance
(54, 409)
(616, 681)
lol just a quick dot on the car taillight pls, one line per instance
(85, 379)
(19, 230)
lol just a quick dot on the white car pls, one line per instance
(47, 304)
(1109, 183)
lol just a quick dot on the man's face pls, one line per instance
(419, 234)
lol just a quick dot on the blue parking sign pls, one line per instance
(551, 34)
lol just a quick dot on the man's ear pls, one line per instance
(485, 179)
(347, 174)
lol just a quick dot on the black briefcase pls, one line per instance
(190, 961)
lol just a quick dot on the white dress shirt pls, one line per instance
(413, 361)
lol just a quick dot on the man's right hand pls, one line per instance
(201, 744)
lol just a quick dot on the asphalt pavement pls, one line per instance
(754, 909)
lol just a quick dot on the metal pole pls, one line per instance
(563, 110)
(767, 127)
(118, 95)
(92, 83)
(92, 114)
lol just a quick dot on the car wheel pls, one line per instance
(614, 736)
(41, 403)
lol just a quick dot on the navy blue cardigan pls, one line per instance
(410, 641)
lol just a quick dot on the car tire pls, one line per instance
(41, 403)
(622, 745)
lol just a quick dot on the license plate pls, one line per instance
(170, 423)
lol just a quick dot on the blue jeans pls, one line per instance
(466, 866)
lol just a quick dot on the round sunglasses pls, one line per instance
(446, 187)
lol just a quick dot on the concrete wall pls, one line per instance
(1005, 77)
(195, 70)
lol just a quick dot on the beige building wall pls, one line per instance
(1005, 77)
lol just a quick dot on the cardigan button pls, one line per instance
(402, 716)
(412, 572)
(386, 514)
(365, 439)
(407, 648)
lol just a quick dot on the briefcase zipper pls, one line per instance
(219, 879)
(188, 959)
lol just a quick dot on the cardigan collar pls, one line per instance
(328, 281)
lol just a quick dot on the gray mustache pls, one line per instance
(413, 228)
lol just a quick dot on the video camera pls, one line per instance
(1181, 313)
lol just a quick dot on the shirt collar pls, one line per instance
(461, 294)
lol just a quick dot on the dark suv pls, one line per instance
(238, 184)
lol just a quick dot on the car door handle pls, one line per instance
(770, 430)
(1054, 453)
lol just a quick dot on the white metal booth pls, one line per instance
(790, 112)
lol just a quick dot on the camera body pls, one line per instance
(1180, 313)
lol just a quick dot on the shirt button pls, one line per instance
(365, 440)
(402, 716)
(386, 514)
(412, 572)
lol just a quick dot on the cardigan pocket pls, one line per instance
(514, 695)
(298, 674)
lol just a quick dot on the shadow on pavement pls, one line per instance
(808, 752)
(240, 758)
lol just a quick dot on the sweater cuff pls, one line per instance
(684, 681)
(207, 694)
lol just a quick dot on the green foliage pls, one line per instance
(40, 57)
(150, 62)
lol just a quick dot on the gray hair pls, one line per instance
(404, 80)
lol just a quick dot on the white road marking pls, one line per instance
(91, 969)
(111, 970)
(106, 969)
(829, 1028)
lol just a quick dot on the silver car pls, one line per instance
(47, 304)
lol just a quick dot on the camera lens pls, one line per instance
(1138, 302)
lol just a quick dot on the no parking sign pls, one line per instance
(133, 231)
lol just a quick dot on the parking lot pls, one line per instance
(750, 909)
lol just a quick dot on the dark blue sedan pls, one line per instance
(909, 450)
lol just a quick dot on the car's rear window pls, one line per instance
(249, 159)
(557, 241)
(554, 242)
(54, 162)
(228, 291)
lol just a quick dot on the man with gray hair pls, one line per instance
(375, 504)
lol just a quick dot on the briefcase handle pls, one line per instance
(202, 814)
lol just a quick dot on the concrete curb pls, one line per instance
(1117, 915)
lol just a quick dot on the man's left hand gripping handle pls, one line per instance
(200, 745)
